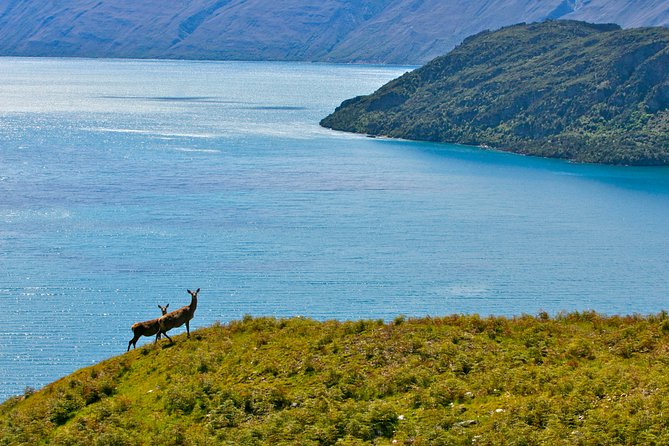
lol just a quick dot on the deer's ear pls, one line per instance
(167, 305)
(160, 307)
(198, 290)
(189, 291)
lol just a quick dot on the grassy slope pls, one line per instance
(590, 93)
(573, 379)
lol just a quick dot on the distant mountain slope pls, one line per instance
(566, 89)
(377, 31)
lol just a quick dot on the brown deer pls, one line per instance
(178, 317)
(146, 328)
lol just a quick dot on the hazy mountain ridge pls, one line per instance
(376, 31)
(564, 89)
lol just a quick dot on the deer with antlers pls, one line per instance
(146, 328)
(178, 317)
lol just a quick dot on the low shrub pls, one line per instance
(577, 378)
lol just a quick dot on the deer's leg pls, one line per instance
(187, 329)
(132, 342)
(166, 335)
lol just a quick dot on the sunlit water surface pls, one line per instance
(123, 183)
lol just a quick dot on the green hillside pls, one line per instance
(572, 379)
(564, 89)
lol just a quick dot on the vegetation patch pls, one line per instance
(577, 378)
(562, 89)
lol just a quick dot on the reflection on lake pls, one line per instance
(126, 182)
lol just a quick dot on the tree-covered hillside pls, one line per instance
(565, 89)
(572, 379)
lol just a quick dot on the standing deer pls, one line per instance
(146, 328)
(178, 317)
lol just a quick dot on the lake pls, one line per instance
(124, 183)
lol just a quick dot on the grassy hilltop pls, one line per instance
(563, 89)
(572, 379)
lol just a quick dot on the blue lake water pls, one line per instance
(123, 183)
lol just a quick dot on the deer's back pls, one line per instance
(176, 318)
(146, 325)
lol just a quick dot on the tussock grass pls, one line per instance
(577, 378)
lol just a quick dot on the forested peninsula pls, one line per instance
(561, 89)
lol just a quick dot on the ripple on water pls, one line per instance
(120, 195)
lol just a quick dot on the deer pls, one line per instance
(146, 328)
(178, 317)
